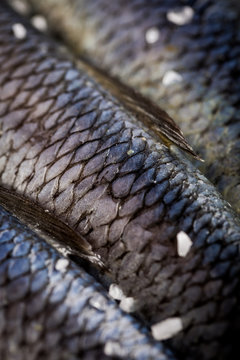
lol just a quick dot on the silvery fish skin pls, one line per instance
(52, 309)
(69, 145)
(184, 55)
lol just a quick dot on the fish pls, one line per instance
(168, 238)
(153, 117)
(183, 55)
(48, 226)
(50, 308)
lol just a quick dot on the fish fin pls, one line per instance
(47, 226)
(152, 116)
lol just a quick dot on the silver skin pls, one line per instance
(73, 148)
(191, 69)
(51, 309)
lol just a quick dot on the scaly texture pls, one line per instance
(202, 95)
(51, 309)
(72, 147)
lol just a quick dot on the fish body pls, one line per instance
(184, 56)
(52, 309)
(74, 149)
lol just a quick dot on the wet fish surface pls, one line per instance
(73, 148)
(52, 309)
(184, 55)
(48, 226)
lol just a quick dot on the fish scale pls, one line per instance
(51, 308)
(130, 215)
(191, 69)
